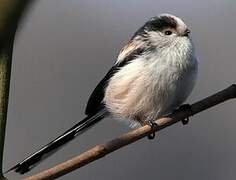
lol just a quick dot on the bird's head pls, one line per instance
(163, 31)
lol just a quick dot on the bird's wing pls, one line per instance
(126, 55)
(127, 50)
(95, 100)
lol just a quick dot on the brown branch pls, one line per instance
(100, 151)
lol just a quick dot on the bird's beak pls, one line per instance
(186, 33)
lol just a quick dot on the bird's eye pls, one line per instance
(168, 32)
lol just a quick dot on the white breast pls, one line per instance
(148, 88)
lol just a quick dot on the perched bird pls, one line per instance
(153, 75)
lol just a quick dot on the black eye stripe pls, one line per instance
(167, 21)
(161, 23)
(158, 23)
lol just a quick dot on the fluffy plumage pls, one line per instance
(160, 78)
(154, 74)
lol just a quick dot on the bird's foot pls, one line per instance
(153, 125)
(185, 121)
(188, 108)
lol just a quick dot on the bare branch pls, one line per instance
(10, 13)
(100, 151)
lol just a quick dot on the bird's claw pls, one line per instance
(188, 108)
(185, 121)
(153, 125)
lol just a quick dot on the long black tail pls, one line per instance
(31, 161)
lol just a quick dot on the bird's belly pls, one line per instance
(146, 94)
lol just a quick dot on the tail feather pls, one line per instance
(31, 161)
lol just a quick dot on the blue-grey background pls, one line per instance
(63, 49)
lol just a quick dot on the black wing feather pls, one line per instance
(31, 161)
(95, 102)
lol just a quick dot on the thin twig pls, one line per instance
(100, 151)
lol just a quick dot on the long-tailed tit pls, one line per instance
(153, 75)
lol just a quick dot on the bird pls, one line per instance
(153, 75)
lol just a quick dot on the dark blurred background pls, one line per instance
(63, 49)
